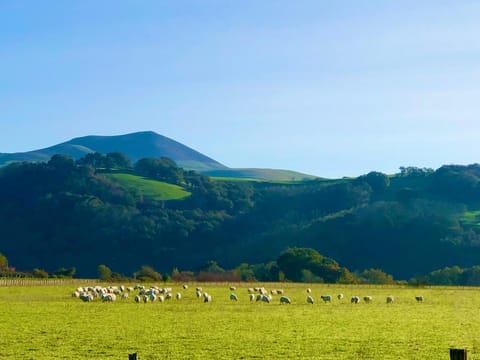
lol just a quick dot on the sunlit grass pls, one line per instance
(47, 323)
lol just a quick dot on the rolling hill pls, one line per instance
(148, 144)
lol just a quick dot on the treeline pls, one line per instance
(66, 214)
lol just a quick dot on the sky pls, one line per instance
(328, 88)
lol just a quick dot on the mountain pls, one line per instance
(152, 145)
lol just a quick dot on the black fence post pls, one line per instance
(132, 356)
(458, 354)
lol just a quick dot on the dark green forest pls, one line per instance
(66, 214)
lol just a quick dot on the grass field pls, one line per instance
(155, 189)
(45, 322)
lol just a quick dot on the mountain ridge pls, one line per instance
(143, 144)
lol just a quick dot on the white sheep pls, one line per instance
(233, 297)
(355, 299)
(178, 296)
(340, 296)
(252, 297)
(124, 296)
(199, 293)
(233, 288)
(309, 291)
(309, 299)
(285, 300)
(367, 299)
(419, 298)
(136, 298)
(207, 298)
(390, 299)
(185, 286)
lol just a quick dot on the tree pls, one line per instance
(376, 276)
(39, 273)
(104, 272)
(3, 263)
(147, 273)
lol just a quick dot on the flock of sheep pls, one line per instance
(141, 294)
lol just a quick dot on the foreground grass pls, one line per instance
(47, 323)
(151, 188)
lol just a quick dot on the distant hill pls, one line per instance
(149, 144)
(260, 174)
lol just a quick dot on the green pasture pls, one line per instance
(45, 322)
(151, 188)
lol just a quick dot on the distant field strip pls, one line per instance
(154, 189)
(48, 323)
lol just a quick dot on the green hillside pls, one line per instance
(261, 174)
(157, 190)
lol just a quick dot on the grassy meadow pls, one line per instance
(45, 322)
(156, 190)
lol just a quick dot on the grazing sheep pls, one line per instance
(161, 298)
(168, 296)
(185, 286)
(280, 291)
(207, 298)
(109, 297)
(124, 296)
(355, 299)
(199, 289)
(259, 297)
(199, 293)
(233, 297)
(367, 299)
(152, 297)
(326, 298)
(251, 296)
(285, 300)
(390, 299)
(266, 298)
(136, 298)
(309, 291)
(145, 298)
(309, 299)
(419, 298)
(250, 290)
(233, 288)
(273, 292)
(76, 294)
(86, 297)
(178, 296)
(340, 296)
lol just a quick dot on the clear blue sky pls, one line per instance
(330, 88)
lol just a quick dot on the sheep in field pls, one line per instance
(309, 299)
(207, 298)
(185, 286)
(266, 298)
(326, 298)
(367, 299)
(390, 299)
(419, 298)
(233, 288)
(178, 296)
(250, 290)
(340, 296)
(252, 297)
(124, 296)
(233, 297)
(136, 298)
(309, 291)
(285, 300)
(355, 299)
(161, 298)
(199, 293)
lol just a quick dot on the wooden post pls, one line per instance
(458, 354)
(132, 356)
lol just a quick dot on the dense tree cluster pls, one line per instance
(64, 217)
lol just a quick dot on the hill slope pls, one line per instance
(148, 144)
(135, 145)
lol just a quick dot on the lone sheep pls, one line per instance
(284, 300)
